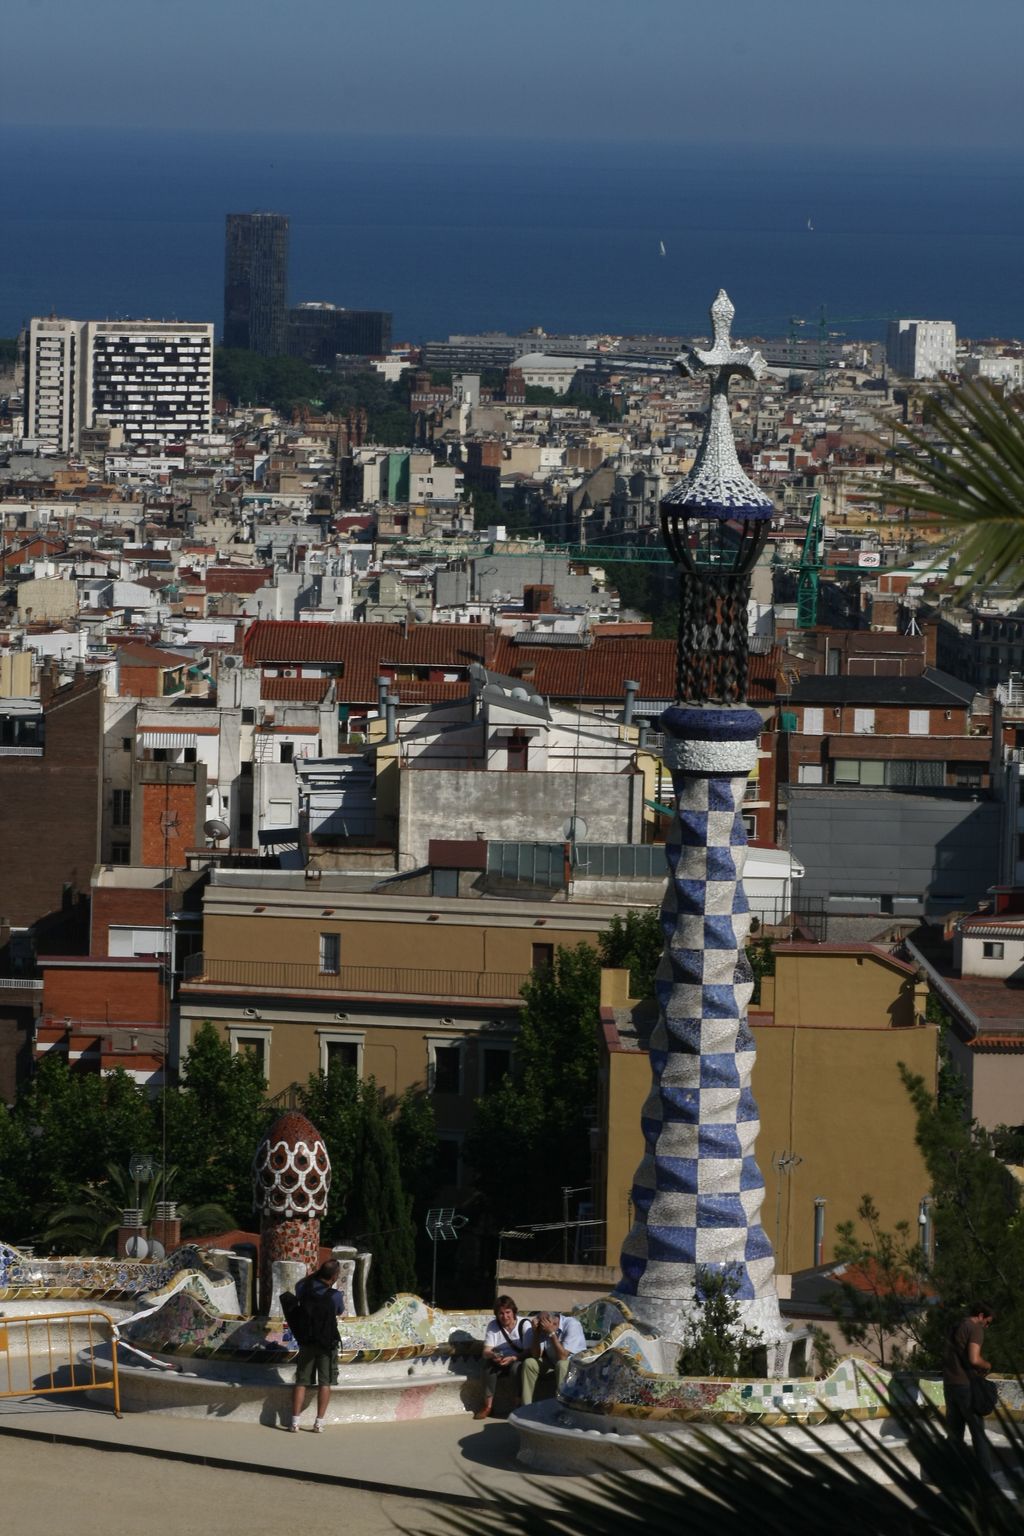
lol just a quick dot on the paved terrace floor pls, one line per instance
(67, 1463)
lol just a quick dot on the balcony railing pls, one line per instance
(388, 980)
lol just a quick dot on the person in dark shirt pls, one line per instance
(317, 1360)
(964, 1357)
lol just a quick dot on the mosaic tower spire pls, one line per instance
(698, 1191)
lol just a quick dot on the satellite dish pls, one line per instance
(156, 1249)
(136, 1248)
(574, 829)
(216, 829)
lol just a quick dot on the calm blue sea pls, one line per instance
(471, 236)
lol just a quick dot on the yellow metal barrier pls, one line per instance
(48, 1347)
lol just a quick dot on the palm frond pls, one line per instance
(730, 1482)
(967, 465)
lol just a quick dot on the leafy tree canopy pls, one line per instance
(531, 1136)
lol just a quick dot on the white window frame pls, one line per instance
(139, 935)
(274, 816)
(324, 967)
(328, 1037)
(993, 949)
(252, 1031)
(919, 722)
(863, 722)
(811, 773)
(814, 720)
(445, 1042)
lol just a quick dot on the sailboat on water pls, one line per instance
(661, 248)
(809, 224)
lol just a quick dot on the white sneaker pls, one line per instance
(318, 1426)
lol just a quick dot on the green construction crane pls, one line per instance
(810, 569)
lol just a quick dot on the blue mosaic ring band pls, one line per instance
(715, 741)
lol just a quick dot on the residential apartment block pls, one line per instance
(53, 382)
(921, 349)
(152, 380)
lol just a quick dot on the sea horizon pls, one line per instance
(503, 235)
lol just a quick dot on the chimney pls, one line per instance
(632, 689)
(166, 1228)
(49, 674)
(391, 734)
(539, 598)
(382, 694)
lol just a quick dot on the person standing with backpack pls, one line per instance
(963, 1372)
(314, 1323)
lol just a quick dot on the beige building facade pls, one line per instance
(833, 1026)
(415, 991)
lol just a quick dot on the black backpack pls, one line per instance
(311, 1317)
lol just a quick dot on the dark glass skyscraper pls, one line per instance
(256, 282)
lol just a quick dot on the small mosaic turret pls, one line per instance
(291, 1179)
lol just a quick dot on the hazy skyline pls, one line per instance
(912, 73)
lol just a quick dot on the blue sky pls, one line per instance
(850, 73)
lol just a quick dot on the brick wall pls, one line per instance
(119, 992)
(121, 905)
(139, 682)
(50, 808)
(177, 801)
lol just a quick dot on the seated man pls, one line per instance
(553, 1339)
(506, 1344)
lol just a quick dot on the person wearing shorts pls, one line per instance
(316, 1364)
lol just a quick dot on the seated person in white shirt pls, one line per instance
(506, 1345)
(553, 1338)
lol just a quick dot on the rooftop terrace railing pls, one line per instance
(386, 980)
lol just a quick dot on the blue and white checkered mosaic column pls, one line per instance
(698, 1191)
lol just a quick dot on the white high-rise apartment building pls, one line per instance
(152, 378)
(921, 349)
(53, 382)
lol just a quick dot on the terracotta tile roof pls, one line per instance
(149, 656)
(237, 578)
(595, 673)
(299, 690)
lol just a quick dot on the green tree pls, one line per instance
(716, 1342)
(978, 1228)
(635, 943)
(15, 1163)
(333, 1102)
(978, 1224)
(89, 1223)
(761, 957)
(76, 1123)
(880, 1296)
(649, 589)
(487, 510)
(371, 1199)
(214, 1124)
(379, 1216)
(532, 1136)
